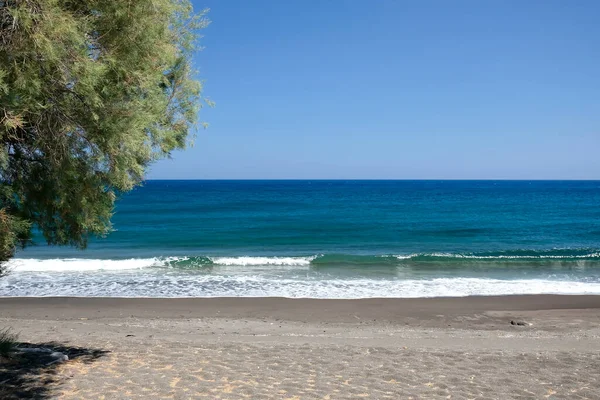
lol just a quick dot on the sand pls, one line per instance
(234, 348)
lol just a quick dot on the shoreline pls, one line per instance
(294, 309)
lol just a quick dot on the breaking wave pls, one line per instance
(449, 260)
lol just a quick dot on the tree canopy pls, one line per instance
(91, 92)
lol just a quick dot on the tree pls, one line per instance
(91, 92)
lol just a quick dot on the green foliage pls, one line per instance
(91, 92)
(8, 342)
(12, 230)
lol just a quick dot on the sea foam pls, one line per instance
(249, 261)
(295, 277)
(146, 284)
(81, 264)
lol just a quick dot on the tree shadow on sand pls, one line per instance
(33, 375)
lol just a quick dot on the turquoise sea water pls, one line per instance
(341, 239)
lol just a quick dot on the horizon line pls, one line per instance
(375, 179)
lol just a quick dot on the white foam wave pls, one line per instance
(495, 257)
(153, 283)
(80, 264)
(249, 261)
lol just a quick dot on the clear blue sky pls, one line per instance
(397, 90)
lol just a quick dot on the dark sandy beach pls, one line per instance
(234, 348)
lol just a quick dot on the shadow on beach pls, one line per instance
(33, 375)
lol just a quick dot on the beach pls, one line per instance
(398, 201)
(233, 348)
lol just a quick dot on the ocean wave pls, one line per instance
(85, 264)
(249, 261)
(145, 284)
(555, 254)
(81, 264)
(513, 258)
(315, 276)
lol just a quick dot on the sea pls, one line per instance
(330, 239)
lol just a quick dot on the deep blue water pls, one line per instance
(339, 231)
(348, 217)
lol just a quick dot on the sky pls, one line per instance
(333, 89)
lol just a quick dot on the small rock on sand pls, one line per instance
(519, 323)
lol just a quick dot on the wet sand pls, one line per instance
(233, 348)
